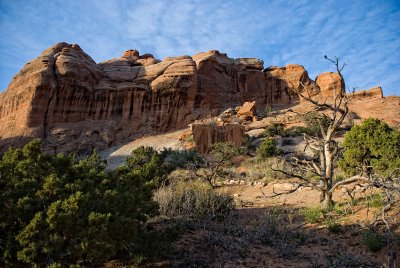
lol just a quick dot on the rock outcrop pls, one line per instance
(330, 85)
(205, 135)
(375, 92)
(283, 83)
(248, 109)
(75, 104)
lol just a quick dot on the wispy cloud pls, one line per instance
(365, 35)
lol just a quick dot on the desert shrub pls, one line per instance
(156, 166)
(248, 144)
(60, 210)
(214, 165)
(268, 229)
(313, 121)
(375, 200)
(312, 215)
(175, 159)
(372, 148)
(296, 131)
(193, 200)
(341, 258)
(146, 162)
(274, 231)
(373, 241)
(274, 129)
(268, 148)
(334, 227)
(267, 111)
(155, 241)
(260, 169)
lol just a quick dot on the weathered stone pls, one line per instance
(205, 135)
(248, 109)
(375, 92)
(331, 86)
(72, 103)
(256, 133)
(283, 83)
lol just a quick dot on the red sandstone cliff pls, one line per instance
(73, 103)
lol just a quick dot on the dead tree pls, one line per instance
(326, 148)
(211, 166)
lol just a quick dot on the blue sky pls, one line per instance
(365, 34)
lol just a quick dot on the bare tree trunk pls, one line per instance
(334, 114)
(327, 202)
(321, 193)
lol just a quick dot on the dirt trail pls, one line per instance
(116, 156)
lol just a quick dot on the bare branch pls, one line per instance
(285, 192)
(348, 181)
(322, 105)
(302, 178)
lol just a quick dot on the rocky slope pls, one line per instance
(73, 103)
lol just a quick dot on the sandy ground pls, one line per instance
(226, 246)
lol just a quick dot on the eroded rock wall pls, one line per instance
(75, 104)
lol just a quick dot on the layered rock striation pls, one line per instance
(75, 104)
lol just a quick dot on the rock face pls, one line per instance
(205, 135)
(331, 86)
(75, 104)
(375, 92)
(284, 82)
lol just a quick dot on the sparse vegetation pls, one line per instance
(373, 241)
(334, 227)
(212, 166)
(341, 258)
(267, 110)
(274, 129)
(312, 215)
(185, 208)
(268, 148)
(193, 200)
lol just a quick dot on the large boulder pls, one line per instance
(248, 109)
(207, 134)
(331, 86)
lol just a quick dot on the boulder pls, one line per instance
(248, 109)
(256, 133)
(331, 86)
(205, 135)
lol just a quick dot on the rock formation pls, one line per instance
(283, 81)
(248, 109)
(375, 92)
(330, 85)
(205, 135)
(75, 104)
